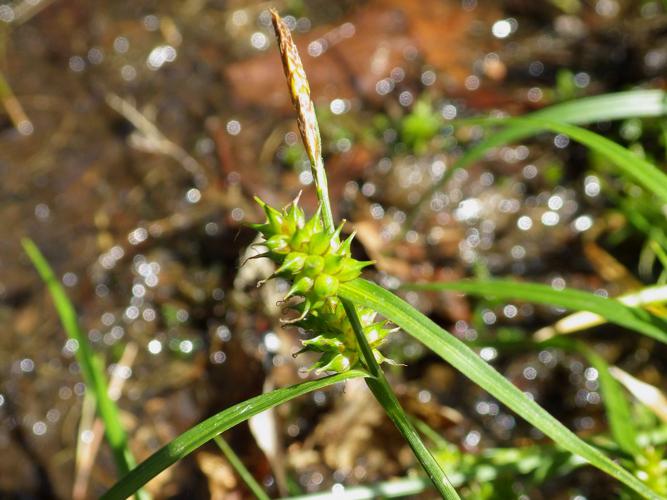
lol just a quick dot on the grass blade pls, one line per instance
(615, 402)
(615, 106)
(645, 298)
(627, 163)
(465, 360)
(203, 432)
(240, 469)
(612, 310)
(91, 367)
(380, 388)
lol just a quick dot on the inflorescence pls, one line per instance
(316, 263)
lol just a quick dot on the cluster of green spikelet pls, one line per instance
(316, 263)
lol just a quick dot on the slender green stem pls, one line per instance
(322, 189)
(382, 391)
(241, 469)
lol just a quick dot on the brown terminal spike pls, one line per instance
(299, 89)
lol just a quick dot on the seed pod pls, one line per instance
(325, 286)
(330, 362)
(293, 263)
(345, 247)
(313, 265)
(375, 333)
(301, 287)
(323, 343)
(319, 243)
(351, 269)
(278, 244)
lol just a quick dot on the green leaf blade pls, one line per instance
(240, 468)
(612, 310)
(203, 432)
(465, 360)
(91, 366)
(613, 106)
(616, 404)
(628, 163)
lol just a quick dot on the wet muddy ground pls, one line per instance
(143, 131)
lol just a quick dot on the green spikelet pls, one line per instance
(316, 263)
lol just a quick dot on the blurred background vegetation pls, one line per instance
(133, 136)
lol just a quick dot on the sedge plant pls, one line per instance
(329, 299)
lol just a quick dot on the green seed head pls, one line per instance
(300, 287)
(317, 263)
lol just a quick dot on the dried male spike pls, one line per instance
(299, 89)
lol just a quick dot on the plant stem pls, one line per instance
(322, 189)
(382, 391)
(310, 134)
(241, 469)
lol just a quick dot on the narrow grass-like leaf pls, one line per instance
(617, 406)
(626, 162)
(203, 432)
(240, 469)
(612, 310)
(620, 105)
(614, 399)
(465, 360)
(646, 298)
(91, 367)
(381, 389)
